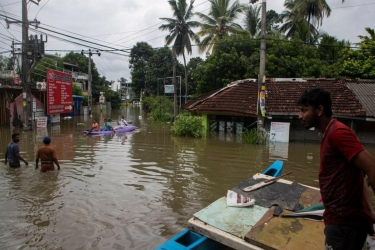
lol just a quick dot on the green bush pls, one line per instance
(253, 136)
(159, 108)
(188, 125)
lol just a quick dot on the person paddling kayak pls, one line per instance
(122, 123)
(107, 126)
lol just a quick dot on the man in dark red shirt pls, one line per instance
(348, 215)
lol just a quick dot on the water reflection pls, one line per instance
(128, 190)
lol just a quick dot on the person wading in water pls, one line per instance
(47, 154)
(12, 153)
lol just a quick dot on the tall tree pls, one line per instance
(192, 65)
(312, 10)
(330, 47)
(294, 25)
(159, 70)
(140, 55)
(180, 30)
(219, 23)
(252, 19)
(368, 39)
(272, 21)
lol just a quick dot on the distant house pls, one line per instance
(80, 79)
(233, 107)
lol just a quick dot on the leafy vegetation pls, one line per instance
(188, 125)
(254, 136)
(159, 108)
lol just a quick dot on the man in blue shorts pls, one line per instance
(12, 153)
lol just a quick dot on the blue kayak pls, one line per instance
(275, 169)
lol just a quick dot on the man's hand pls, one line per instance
(372, 232)
(5, 161)
(26, 162)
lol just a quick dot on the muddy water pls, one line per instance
(127, 191)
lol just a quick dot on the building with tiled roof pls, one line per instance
(233, 107)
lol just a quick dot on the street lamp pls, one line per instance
(89, 73)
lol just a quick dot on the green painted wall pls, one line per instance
(206, 124)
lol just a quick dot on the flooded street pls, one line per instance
(127, 191)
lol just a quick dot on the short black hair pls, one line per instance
(14, 135)
(315, 97)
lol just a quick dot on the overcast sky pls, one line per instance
(121, 24)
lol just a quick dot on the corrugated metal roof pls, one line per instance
(365, 93)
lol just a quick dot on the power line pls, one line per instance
(40, 9)
(342, 7)
(12, 3)
(59, 33)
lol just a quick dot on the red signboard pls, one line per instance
(16, 79)
(59, 92)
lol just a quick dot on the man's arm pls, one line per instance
(22, 159)
(57, 163)
(366, 193)
(6, 156)
(36, 163)
(366, 162)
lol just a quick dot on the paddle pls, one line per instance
(263, 183)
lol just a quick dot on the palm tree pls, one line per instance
(180, 30)
(219, 23)
(312, 10)
(368, 39)
(368, 42)
(329, 48)
(295, 25)
(252, 20)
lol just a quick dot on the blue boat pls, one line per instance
(189, 240)
(275, 170)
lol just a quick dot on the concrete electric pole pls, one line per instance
(32, 52)
(262, 65)
(174, 84)
(90, 80)
(26, 80)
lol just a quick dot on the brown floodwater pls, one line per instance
(127, 191)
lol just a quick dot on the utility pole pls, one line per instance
(174, 84)
(32, 49)
(26, 67)
(90, 77)
(262, 65)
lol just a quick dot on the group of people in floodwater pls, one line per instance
(107, 125)
(47, 153)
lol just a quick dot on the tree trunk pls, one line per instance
(186, 82)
